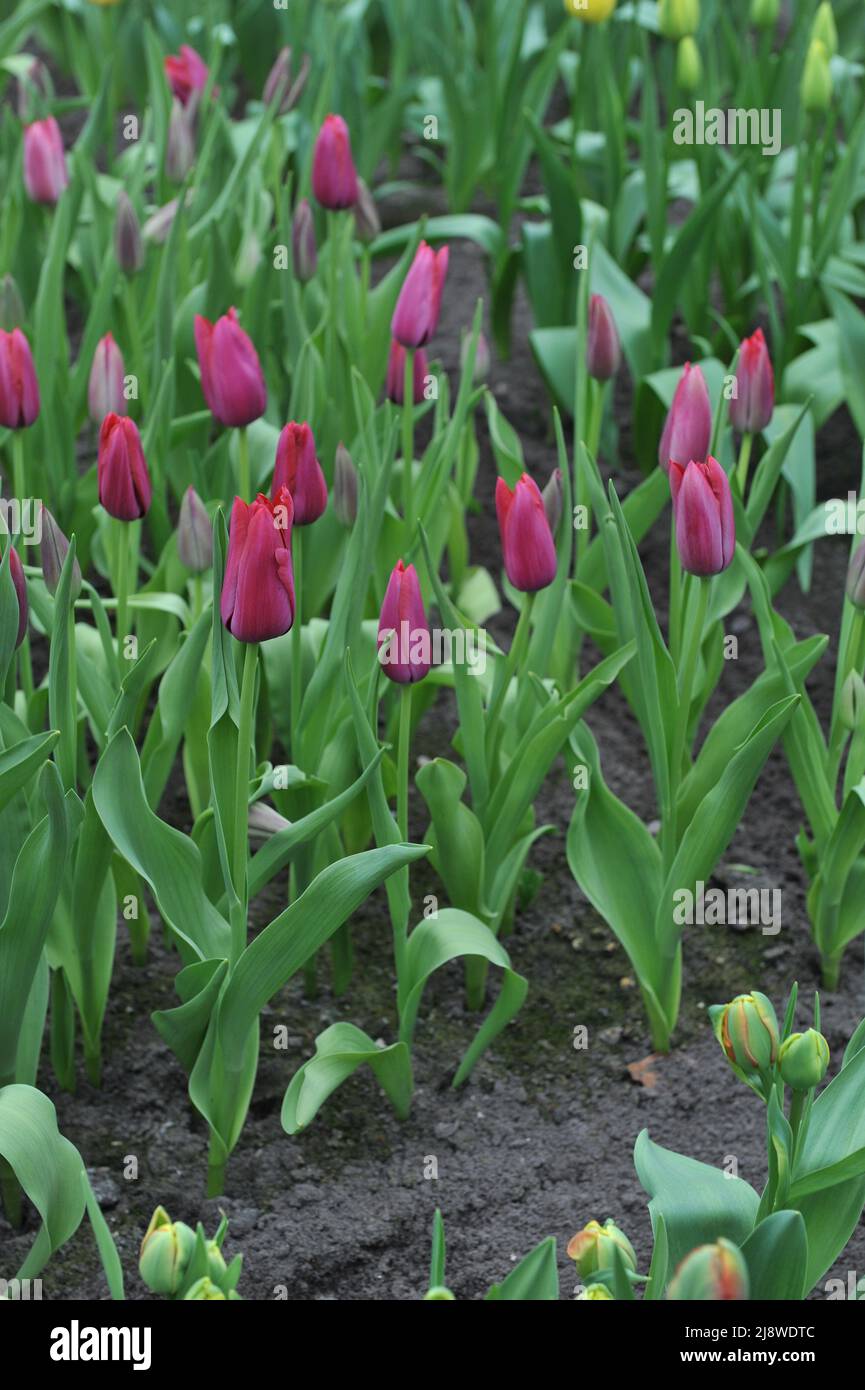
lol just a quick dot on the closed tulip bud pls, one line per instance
(334, 177)
(803, 1060)
(417, 311)
(703, 514)
(45, 173)
(439, 1295)
(303, 248)
(595, 1293)
(30, 86)
(204, 1291)
(817, 85)
(249, 257)
(689, 65)
(482, 357)
(367, 222)
(279, 82)
(16, 569)
(553, 498)
(157, 227)
(592, 1248)
(194, 533)
(186, 72)
(128, 243)
(180, 146)
(711, 1273)
(752, 406)
(404, 643)
(105, 388)
(265, 822)
(851, 709)
(19, 389)
(855, 572)
(592, 11)
(125, 490)
(53, 549)
(824, 28)
(603, 349)
(257, 600)
(344, 486)
(231, 375)
(298, 469)
(678, 18)
(216, 1267)
(687, 432)
(12, 313)
(527, 541)
(764, 13)
(747, 1030)
(165, 1253)
(396, 374)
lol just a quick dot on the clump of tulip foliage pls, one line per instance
(236, 570)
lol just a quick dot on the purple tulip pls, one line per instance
(334, 177)
(417, 311)
(105, 387)
(231, 375)
(603, 349)
(19, 389)
(527, 541)
(45, 173)
(298, 470)
(403, 631)
(688, 431)
(257, 600)
(125, 490)
(703, 513)
(752, 407)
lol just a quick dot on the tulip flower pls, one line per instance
(592, 11)
(395, 387)
(595, 1293)
(298, 469)
(194, 533)
(257, 600)
(303, 249)
(20, 583)
(45, 173)
(19, 389)
(416, 315)
(816, 88)
(603, 349)
(483, 358)
(367, 223)
(231, 375)
(752, 406)
(157, 227)
(105, 393)
(53, 549)
(553, 498)
(527, 541)
(404, 644)
(851, 706)
(166, 1250)
(687, 432)
(592, 1248)
(856, 577)
(128, 244)
(334, 178)
(125, 490)
(803, 1060)
(824, 28)
(711, 1273)
(344, 486)
(187, 72)
(678, 18)
(703, 510)
(180, 146)
(747, 1030)
(689, 64)
(279, 81)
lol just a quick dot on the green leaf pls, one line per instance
(46, 1165)
(339, 1051)
(535, 1279)
(776, 1253)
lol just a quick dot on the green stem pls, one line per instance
(239, 855)
(695, 618)
(332, 296)
(744, 462)
(121, 582)
(403, 748)
(504, 675)
(25, 666)
(596, 415)
(136, 345)
(215, 1169)
(245, 481)
(297, 644)
(197, 598)
(674, 620)
(408, 444)
(797, 1110)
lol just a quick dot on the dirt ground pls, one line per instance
(540, 1139)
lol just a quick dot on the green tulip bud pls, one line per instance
(595, 1293)
(592, 1248)
(204, 1291)
(824, 29)
(764, 13)
(216, 1265)
(439, 1295)
(803, 1060)
(689, 65)
(747, 1030)
(678, 18)
(711, 1273)
(165, 1252)
(856, 577)
(816, 87)
(851, 708)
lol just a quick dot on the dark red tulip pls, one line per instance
(752, 407)
(688, 431)
(404, 643)
(257, 600)
(703, 513)
(527, 541)
(125, 490)
(603, 349)
(231, 375)
(187, 72)
(334, 177)
(298, 469)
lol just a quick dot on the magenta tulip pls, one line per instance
(527, 541)
(404, 643)
(416, 315)
(688, 431)
(703, 513)
(187, 72)
(334, 177)
(396, 374)
(257, 600)
(125, 490)
(19, 389)
(751, 409)
(603, 349)
(45, 173)
(105, 394)
(298, 470)
(231, 375)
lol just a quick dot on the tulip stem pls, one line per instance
(403, 748)
(121, 581)
(695, 618)
(675, 602)
(408, 444)
(245, 736)
(18, 486)
(744, 462)
(297, 644)
(136, 345)
(504, 674)
(243, 464)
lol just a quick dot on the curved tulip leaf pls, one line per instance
(19, 763)
(177, 691)
(339, 1051)
(457, 838)
(46, 1165)
(776, 1253)
(535, 1279)
(657, 1280)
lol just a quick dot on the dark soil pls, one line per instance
(540, 1139)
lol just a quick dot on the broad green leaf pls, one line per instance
(339, 1051)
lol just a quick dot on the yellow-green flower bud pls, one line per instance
(748, 1032)
(592, 11)
(764, 13)
(165, 1252)
(439, 1295)
(592, 1248)
(204, 1291)
(803, 1060)
(711, 1273)
(816, 88)
(824, 28)
(595, 1293)
(678, 18)
(856, 577)
(689, 65)
(216, 1265)
(851, 708)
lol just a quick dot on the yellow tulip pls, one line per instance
(592, 11)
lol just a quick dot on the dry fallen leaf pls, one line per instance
(643, 1072)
